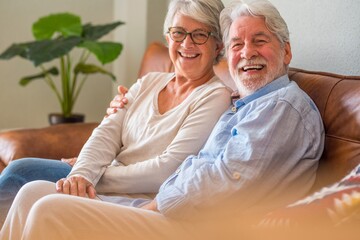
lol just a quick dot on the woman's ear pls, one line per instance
(219, 47)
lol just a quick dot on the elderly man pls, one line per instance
(263, 152)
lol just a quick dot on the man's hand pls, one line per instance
(119, 101)
(77, 186)
(151, 206)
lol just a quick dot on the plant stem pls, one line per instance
(65, 82)
(84, 56)
(76, 89)
(50, 83)
(80, 87)
(70, 86)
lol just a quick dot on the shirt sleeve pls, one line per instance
(147, 176)
(104, 143)
(267, 152)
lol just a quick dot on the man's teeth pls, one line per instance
(253, 67)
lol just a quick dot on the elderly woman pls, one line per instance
(168, 117)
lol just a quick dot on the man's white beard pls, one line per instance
(250, 84)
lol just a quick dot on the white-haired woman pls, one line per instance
(169, 117)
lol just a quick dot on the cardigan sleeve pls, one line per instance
(147, 176)
(104, 143)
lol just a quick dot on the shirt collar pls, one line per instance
(270, 87)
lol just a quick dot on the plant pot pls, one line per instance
(57, 118)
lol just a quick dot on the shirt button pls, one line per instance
(236, 175)
(177, 171)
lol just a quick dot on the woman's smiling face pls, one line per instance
(192, 61)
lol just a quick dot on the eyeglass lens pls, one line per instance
(179, 34)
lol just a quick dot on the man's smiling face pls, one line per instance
(256, 56)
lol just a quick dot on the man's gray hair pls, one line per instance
(256, 8)
(203, 11)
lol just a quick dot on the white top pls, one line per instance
(149, 146)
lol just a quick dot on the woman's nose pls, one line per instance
(187, 41)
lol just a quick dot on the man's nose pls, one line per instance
(248, 51)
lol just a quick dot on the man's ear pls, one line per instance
(288, 54)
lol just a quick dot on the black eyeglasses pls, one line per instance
(199, 37)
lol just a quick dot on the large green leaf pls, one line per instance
(19, 49)
(65, 24)
(91, 69)
(95, 32)
(47, 50)
(105, 52)
(42, 51)
(14, 50)
(25, 80)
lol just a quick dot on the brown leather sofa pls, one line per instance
(336, 96)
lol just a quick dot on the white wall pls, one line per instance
(29, 106)
(144, 24)
(325, 35)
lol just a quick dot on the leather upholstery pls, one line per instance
(336, 96)
(338, 100)
(53, 142)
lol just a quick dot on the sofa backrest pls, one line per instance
(336, 96)
(338, 100)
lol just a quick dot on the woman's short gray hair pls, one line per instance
(204, 11)
(256, 8)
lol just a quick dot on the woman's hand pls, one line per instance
(119, 101)
(152, 206)
(70, 161)
(77, 186)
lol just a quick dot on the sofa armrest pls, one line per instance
(53, 142)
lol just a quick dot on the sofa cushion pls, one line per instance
(335, 205)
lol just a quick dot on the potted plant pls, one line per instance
(56, 35)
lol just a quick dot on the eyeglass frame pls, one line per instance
(191, 36)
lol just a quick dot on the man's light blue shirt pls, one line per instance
(268, 143)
